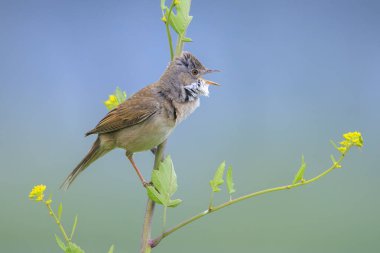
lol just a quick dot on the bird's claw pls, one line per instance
(146, 184)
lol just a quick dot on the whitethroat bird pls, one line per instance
(147, 118)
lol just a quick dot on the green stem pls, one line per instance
(168, 31)
(164, 218)
(145, 246)
(146, 242)
(211, 200)
(179, 46)
(67, 239)
(147, 227)
(248, 196)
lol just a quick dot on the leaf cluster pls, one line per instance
(180, 20)
(164, 184)
(69, 246)
(218, 179)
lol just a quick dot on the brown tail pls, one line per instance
(95, 152)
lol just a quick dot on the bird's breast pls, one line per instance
(146, 135)
(183, 110)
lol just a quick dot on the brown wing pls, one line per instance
(133, 111)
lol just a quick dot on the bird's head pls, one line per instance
(185, 72)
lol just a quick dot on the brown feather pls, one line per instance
(94, 153)
(134, 110)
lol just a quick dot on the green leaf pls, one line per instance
(74, 227)
(181, 20)
(229, 181)
(60, 243)
(334, 145)
(111, 249)
(154, 195)
(163, 5)
(218, 178)
(73, 248)
(164, 181)
(335, 163)
(59, 213)
(185, 39)
(299, 176)
(174, 203)
(120, 95)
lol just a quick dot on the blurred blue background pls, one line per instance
(295, 75)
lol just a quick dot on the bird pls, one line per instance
(147, 118)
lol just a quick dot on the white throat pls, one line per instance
(196, 89)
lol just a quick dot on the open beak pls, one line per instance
(208, 71)
(208, 82)
(211, 82)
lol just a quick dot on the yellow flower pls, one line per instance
(37, 192)
(48, 202)
(111, 102)
(342, 149)
(112, 99)
(115, 99)
(353, 138)
(163, 19)
(350, 139)
(176, 2)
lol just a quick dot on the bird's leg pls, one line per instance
(130, 158)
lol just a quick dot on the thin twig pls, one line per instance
(146, 242)
(145, 246)
(67, 239)
(157, 240)
(168, 31)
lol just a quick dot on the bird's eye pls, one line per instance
(194, 72)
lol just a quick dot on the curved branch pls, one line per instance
(211, 209)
